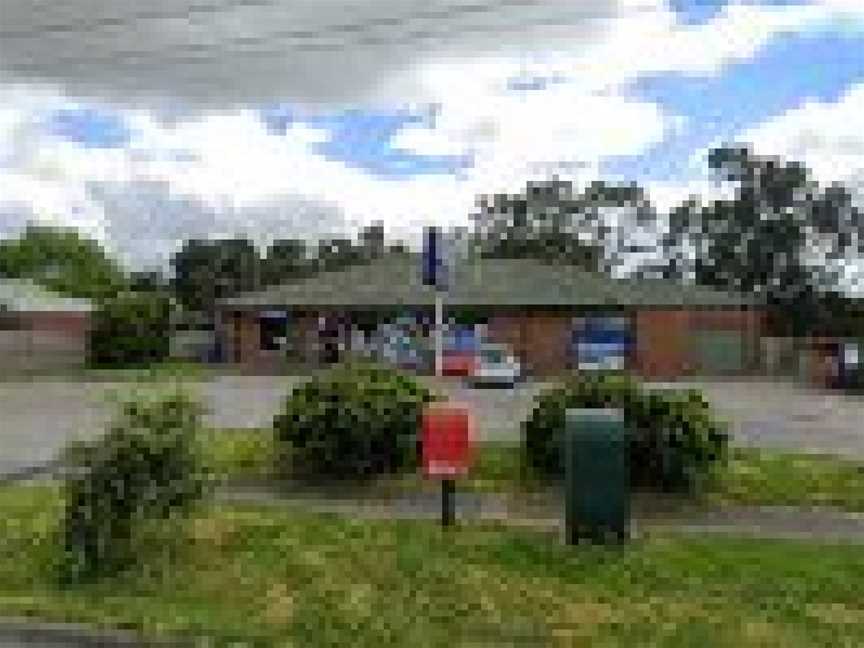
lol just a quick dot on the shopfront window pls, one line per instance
(273, 331)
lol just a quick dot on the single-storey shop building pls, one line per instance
(553, 316)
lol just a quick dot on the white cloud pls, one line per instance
(656, 42)
(237, 176)
(252, 52)
(236, 166)
(827, 137)
(665, 196)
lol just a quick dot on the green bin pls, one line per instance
(596, 463)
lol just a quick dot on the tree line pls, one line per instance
(781, 236)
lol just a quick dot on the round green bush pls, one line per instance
(674, 438)
(131, 329)
(147, 466)
(355, 421)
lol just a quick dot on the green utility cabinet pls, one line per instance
(597, 476)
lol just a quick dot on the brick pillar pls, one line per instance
(547, 338)
(509, 330)
(662, 343)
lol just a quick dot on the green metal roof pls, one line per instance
(396, 281)
(22, 295)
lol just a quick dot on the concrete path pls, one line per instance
(788, 416)
(544, 511)
(32, 633)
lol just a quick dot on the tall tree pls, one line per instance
(780, 237)
(286, 259)
(550, 220)
(62, 259)
(336, 253)
(372, 240)
(208, 270)
(150, 281)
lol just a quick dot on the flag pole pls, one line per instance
(439, 333)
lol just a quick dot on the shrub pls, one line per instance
(146, 467)
(131, 329)
(674, 443)
(358, 420)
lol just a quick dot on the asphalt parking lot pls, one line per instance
(39, 418)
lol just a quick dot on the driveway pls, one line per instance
(788, 416)
(39, 418)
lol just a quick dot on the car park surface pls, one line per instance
(37, 418)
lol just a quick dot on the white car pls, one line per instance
(495, 365)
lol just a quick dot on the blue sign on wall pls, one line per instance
(602, 342)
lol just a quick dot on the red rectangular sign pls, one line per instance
(446, 440)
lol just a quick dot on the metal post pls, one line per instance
(439, 333)
(448, 504)
(448, 486)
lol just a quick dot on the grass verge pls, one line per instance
(260, 577)
(752, 477)
(170, 370)
(768, 477)
(246, 455)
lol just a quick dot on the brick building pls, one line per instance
(40, 330)
(532, 306)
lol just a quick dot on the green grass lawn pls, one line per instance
(171, 370)
(267, 578)
(247, 455)
(758, 477)
(792, 479)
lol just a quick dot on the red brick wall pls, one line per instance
(661, 338)
(547, 336)
(509, 330)
(45, 340)
(74, 324)
(243, 339)
(241, 336)
(539, 339)
(724, 320)
(305, 336)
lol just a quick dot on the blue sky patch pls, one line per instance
(700, 12)
(89, 127)
(363, 139)
(791, 70)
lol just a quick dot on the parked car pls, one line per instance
(458, 363)
(495, 366)
(850, 369)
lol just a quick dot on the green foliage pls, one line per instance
(61, 260)
(131, 329)
(675, 439)
(286, 260)
(146, 467)
(358, 420)
(273, 576)
(244, 454)
(208, 270)
(765, 477)
(551, 222)
(761, 240)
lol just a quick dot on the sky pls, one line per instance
(196, 118)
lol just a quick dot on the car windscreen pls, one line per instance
(493, 356)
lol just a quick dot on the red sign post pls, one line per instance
(447, 448)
